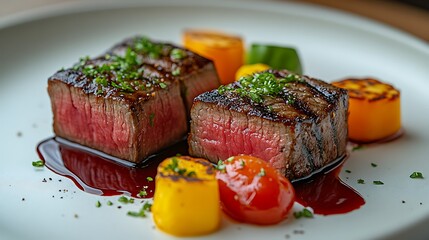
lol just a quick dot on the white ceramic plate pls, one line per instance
(332, 46)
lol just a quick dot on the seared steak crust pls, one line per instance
(132, 101)
(301, 129)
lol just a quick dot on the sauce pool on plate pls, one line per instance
(100, 174)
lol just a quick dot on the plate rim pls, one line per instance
(327, 13)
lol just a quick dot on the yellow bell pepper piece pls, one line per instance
(374, 109)
(186, 200)
(250, 69)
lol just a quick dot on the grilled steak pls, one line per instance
(132, 101)
(296, 123)
(196, 74)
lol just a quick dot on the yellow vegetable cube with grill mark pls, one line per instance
(186, 200)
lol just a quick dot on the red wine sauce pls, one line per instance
(326, 194)
(101, 174)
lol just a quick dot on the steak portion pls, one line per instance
(196, 73)
(130, 102)
(298, 130)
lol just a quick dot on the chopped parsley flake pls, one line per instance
(290, 99)
(373, 164)
(176, 72)
(109, 203)
(262, 172)
(162, 85)
(259, 85)
(142, 193)
(142, 213)
(361, 181)
(220, 165)
(144, 46)
(149, 179)
(303, 213)
(230, 159)
(348, 171)
(39, 163)
(378, 182)
(174, 166)
(124, 73)
(242, 163)
(177, 54)
(98, 204)
(125, 200)
(416, 175)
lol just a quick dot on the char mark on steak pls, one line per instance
(298, 130)
(130, 102)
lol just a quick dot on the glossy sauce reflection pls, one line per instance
(101, 174)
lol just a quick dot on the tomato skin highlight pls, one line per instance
(252, 191)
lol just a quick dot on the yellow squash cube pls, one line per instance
(186, 200)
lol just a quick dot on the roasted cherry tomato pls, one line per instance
(252, 191)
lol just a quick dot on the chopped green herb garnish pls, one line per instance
(39, 163)
(144, 46)
(151, 118)
(416, 175)
(174, 166)
(142, 213)
(123, 70)
(220, 165)
(242, 163)
(361, 181)
(177, 54)
(378, 182)
(136, 214)
(101, 81)
(348, 171)
(125, 200)
(147, 206)
(230, 159)
(262, 172)
(162, 85)
(109, 203)
(290, 99)
(259, 85)
(373, 164)
(98, 204)
(142, 193)
(303, 213)
(176, 72)
(150, 179)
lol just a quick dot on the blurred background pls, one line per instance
(411, 16)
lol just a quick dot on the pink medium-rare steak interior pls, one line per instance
(220, 134)
(113, 126)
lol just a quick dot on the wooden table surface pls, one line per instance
(407, 17)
